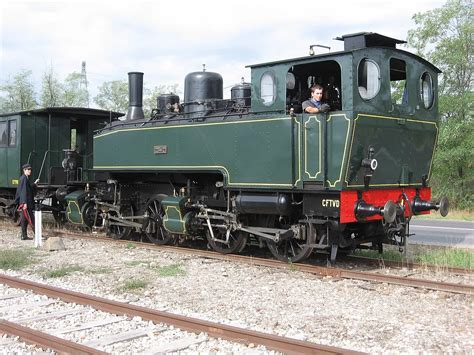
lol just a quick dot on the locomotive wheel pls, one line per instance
(292, 250)
(91, 215)
(120, 232)
(154, 229)
(237, 241)
(59, 215)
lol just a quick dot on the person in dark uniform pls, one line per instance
(25, 194)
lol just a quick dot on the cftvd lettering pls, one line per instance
(330, 203)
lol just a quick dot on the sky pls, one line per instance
(169, 39)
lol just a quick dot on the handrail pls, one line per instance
(178, 120)
(44, 159)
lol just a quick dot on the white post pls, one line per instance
(38, 231)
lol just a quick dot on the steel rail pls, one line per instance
(348, 258)
(322, 271)
(235, 334)
(313, 269)
(44, 340)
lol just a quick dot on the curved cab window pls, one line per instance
(267, 88)
(426, 92)
(368, 79)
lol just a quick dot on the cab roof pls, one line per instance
(83, 112)
(353, 42)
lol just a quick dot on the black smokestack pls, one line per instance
(135, 94)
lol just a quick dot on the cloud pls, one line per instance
(167, 40)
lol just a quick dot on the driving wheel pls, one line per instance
(292, 250)
(119, 231)
(154, 229)
(233, 243)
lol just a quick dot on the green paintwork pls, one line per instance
(256, 152)
(403, 149)
(10, 157)
(313, 126)
(290, 148)
(382, 104)
(174, 214)
(42, 135)
(338, 130)
(75, 201)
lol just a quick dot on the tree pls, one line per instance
(51, 89)
(74, 94)
(19, 93)
(444, 36)
(149, 101)
(113, 96)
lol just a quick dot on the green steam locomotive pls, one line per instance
(257, 169)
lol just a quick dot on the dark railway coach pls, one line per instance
(57, 142)
(256, 169)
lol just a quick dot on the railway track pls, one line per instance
(115, 312)
(313, 269)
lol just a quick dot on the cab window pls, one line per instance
(398, 82)
(267, 88)
(426, 90)
(300, 78)
(368, 79)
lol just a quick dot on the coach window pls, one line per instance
(426, 90)
(3, 134)
(368, 79)
(267, 88)
(12, 133)
(398, 82)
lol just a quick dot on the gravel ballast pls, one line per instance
(357, 315)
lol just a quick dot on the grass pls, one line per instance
(170, 270)
(15, 259)
(133, 285)
(452, 215)
(63, 271)
(442, 257)
(447, 257)
(391, 255)
(100, 270)
(292, 267)
(130, 245)
(136, 263)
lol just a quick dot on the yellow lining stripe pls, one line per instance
(345, 148)
(193, 125)
(218, 167)
(299, 152)
(306, 148)
(69, 211)
(166, 219)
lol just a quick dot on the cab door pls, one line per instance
(312, 149)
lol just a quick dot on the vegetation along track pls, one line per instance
(313, 269)
(235, 334)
